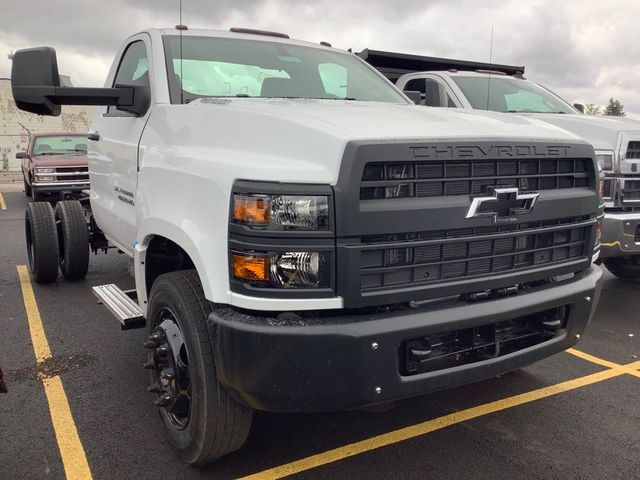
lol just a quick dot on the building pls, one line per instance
(15, 125)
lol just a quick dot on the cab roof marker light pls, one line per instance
(258, 32)
(325, 44)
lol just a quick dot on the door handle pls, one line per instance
(93, 136)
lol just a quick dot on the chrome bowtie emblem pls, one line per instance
(504, 204)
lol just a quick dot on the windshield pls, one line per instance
(510, 95)
(225, 67)
(60, 145)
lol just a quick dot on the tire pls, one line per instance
(42, 242)
(73, 239)
(624, 268)
(27, 187)
(217, 425)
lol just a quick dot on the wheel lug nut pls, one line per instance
(150, 344)
(162, 350)
(163, 400)
(150, 364)
(155, 388)
(168, 375)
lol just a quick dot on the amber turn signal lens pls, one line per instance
(250, 267)
(250, 210)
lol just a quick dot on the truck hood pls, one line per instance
(602, 132)
(59, 160)
(303, 140)
(374, 120)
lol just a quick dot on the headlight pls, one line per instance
(283, 269)
(605, 160)
(282, 212)
(44, 171)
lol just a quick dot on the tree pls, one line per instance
(592, 109)
(614, 108)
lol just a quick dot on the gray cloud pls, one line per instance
(583, 49)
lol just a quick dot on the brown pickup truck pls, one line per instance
(55, 165)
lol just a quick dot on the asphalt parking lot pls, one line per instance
(85, 412)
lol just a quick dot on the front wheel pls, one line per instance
(201, 420)
(624, 268)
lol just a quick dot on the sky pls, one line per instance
(584, 50)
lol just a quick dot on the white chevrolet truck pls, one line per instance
(503, 88)
(304, 237)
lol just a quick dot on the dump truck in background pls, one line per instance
(452, 83)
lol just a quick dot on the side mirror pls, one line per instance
(414, 95)
(20, 155)
(35, 84)
(579, 107)
(435, 94)
(34, 76)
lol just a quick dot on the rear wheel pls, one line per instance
(73, 239)
(201, 420)
(42, 242)
(624, 268)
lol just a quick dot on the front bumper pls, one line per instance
(59, 186)
(620, 235)
(328, 364)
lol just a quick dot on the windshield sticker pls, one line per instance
(285, 58)
(215, 101)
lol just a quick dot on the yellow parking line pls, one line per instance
(72, 453)
(605, 363)
(3, 206)
(429, 426)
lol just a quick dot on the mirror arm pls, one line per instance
(122, 96)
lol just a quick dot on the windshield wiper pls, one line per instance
(530, 111)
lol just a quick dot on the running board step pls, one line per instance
(120, 305)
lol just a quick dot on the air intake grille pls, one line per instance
(471, 252)
(633, 150)
(382, 180)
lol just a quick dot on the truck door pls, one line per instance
(115, 150)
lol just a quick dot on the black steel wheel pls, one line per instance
(42, 242)
(201, 420)
(73, 239)
(625, 268)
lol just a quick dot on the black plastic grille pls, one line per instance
(382, 180)
(72, 174)
(442, 350)
(457, 254)
(631, 189)
(633, 150)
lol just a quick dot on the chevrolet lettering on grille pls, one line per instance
(504, 204)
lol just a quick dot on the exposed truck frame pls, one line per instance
(616, 141)
(288, 250)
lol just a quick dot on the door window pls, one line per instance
(133, 68)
